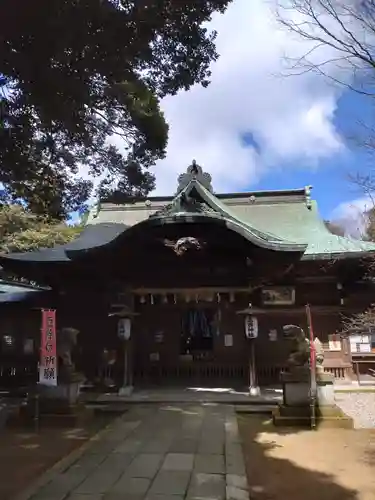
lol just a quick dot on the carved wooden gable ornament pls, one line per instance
(194, 171)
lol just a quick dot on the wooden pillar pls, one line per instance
(131, 361)
(125, 335)
(126, 364)
(253, 379)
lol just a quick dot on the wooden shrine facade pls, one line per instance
(184, 269)
(179, 336)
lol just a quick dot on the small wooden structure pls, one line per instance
(185, 266)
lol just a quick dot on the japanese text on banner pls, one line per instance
(48, 355)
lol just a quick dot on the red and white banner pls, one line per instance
(48, 354)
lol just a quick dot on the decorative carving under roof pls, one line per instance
(184, 203)
(184, 244)
(194, 171)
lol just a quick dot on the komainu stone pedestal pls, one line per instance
(296, 388)
(67, 393)
(57, 406)
(296, 407)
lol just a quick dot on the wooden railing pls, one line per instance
(269, 374)
(192, 373)
(339, 372)
(363, 366)
(17, 374)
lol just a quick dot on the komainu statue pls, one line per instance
(300, 353)
(66, 341)
(319, 355)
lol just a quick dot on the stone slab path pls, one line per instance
(158, 452)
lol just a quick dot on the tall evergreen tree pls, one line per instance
(75, 74)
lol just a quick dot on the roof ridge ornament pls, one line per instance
(308, 196)
(194, 172)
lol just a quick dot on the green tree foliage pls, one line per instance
(76, 73)
(22, 231)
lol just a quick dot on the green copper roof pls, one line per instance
(196, 201)
(284, 218)
(300, 221)
(278, 220)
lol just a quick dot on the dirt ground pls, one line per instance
(25, 455)
(294, 464)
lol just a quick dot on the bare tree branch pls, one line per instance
(346, 27)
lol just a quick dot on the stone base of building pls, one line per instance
(300, 416)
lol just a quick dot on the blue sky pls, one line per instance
(330, 177)
(256, 128)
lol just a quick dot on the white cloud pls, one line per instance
(290, 118)
(351, 215)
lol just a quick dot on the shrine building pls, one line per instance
(186, 270)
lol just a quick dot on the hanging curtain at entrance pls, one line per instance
(197, 329)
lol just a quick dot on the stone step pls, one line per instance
(135, 399)
(254, 409)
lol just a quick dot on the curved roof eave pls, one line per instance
(30, 296)
(255, 237)
(259, 238)
(51, 255)
(92, 237)
(99, 236)
(337, 256)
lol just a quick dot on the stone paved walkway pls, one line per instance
(159, 452)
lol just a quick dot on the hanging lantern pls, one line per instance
(340, 288)
(251, 327)
(124, 328)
